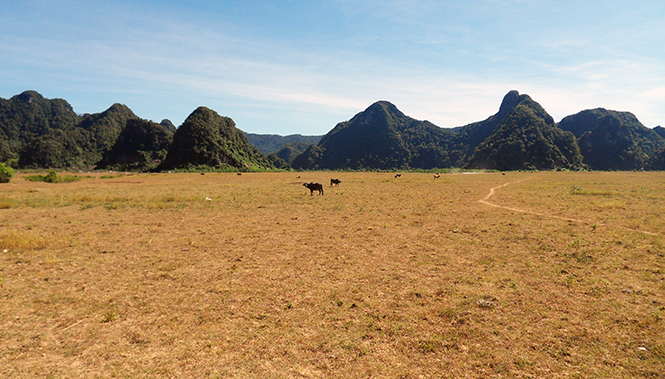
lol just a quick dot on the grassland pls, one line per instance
(522, 275)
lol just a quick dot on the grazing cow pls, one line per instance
(335, 182)
(314, 187)
(398, 175)
(437, 176)
(239, 174)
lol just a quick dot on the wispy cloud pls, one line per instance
(447, 62)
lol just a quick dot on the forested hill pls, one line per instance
(521, 135)
(525, 137)
(273, 143)
(36, 132)
(611, 140)
(207, 140)
(27, 116)
(382, 137)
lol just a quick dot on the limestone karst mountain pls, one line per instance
(382, 137)
(207, 140)
(141, 146)
(526, 138)
(611, 140)
(520, 135)
(36, 132)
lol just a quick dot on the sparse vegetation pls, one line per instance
(52, 177)
(139, 276)
(6, 173)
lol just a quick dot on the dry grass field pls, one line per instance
(522, 275)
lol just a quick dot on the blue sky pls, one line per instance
(284, 67)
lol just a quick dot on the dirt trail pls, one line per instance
(486, 201)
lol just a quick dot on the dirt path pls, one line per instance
(486, 201)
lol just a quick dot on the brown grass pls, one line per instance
(142, 276)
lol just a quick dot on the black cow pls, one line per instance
(335, 182)
(398, 176)
(314, 187)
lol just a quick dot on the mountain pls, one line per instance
(141, 146)
(525, 137)
(168, 125)
(611, 140)
(272, 143)
(474, 134)
(382, 137)
(521, 135)
(283, 158)
(36, 132)
(27, 116)
(291, 150)
(81, 146)
(207, 140)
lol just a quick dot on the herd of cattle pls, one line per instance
(313, 186)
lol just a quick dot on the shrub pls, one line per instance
(6, 173)
(52, 177)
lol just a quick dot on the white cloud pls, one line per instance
(450, 63)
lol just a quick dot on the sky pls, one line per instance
(300, 67)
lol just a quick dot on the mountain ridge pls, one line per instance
(36, 132)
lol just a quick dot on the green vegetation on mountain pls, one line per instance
(81, 146)
(278, 162)
(36, 132)
(283, 158)
(273, 143)
(521, 135)
(291, 150)
(472, 135)
(166, 123)
(207, 140)
(26, 117)
(657, 161)
(308, 159)
(40, 133)
(382, 137)
(527, 138)
(611, 140)
(141, 146)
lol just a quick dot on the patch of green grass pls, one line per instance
(110, 316)
(53, 177)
